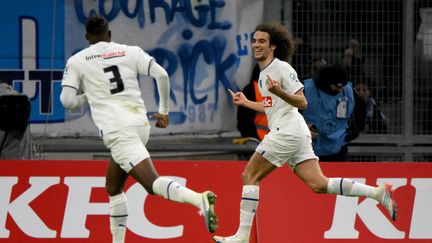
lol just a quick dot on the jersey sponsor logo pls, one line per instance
(267, 101)
(113, 54)
(106, 55)
(88, 58)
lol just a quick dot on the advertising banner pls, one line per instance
(205, 46)
(290, 212)
(65, 201)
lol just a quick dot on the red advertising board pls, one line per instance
(290, 212)
(65, 201)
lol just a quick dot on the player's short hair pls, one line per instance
(97, 25)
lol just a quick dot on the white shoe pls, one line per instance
(388, 201)
(207, 210)
(233, 239)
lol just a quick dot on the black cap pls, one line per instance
(334, 74)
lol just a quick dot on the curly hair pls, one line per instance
(97, 25)
(280, 37)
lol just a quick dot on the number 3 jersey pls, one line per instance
(108, 73)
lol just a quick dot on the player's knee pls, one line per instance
(113, 189)
(244, 177)
(249, 179)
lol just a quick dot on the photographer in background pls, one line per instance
(14, 124)
(335, 114)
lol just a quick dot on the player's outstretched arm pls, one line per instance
(240, 99)
(163, 86)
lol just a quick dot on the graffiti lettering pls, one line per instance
(212, 53)
(242, 49)
(44, 105)
(199, 68)
(200, 113)
(46, 78)
(9, 76)
(207, 13)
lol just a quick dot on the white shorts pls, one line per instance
(127, 146)
(280, 148)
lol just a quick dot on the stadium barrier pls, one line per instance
(65, 201)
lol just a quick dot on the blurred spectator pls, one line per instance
(302, 13)
(249, 122)
(314, 65)
(375, 119)
(301, 58)
(14, 124)
(354, 61)
(423, 71)
(334, 114)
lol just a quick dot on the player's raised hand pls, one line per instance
(162, 121)
(273, 86)
(238, 97)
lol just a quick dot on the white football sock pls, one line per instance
(248, 206)
(172, 190)
(347, 187)
(118, 217)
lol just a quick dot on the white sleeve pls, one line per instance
(70, 99)
(71, 74)
(293, 84)
(144, 60)
(163, 85)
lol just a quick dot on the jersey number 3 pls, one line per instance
(116, 79)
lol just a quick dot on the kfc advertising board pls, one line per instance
(290, 212)
(65, 201)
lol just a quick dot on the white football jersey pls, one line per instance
(108, 73)
(280, 114)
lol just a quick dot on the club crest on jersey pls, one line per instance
(267, 101)
(261, 82)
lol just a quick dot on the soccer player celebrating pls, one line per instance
(289, 140)
(107, 73)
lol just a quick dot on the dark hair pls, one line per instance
(280, 37)
(97, 25)
(334, 74)
(316, 64)
(317, 59)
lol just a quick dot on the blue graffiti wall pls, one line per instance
(203, 44)
(32, 51)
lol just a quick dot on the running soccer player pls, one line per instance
(289, 140)
(107, 73)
